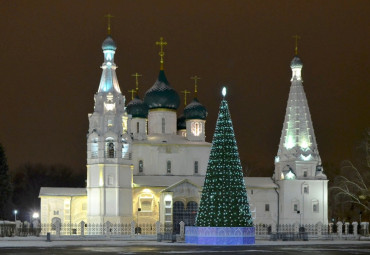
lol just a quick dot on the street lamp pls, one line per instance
(35, 215)
(15, 215)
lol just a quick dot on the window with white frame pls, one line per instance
(267, 207)
(196, 167)
(196, 128)
(109, 148)
(94, 148)
(125, 149)
(141, 166)
(315, 206)
(295, 207)
(305, 189)
(169, 166)
(163, 125)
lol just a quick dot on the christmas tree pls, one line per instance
(224, 201)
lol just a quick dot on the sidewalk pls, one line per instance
(19, 242)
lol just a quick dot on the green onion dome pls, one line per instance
(195, 110)
(181, 122)
(137, 108)
(296, 62)
(109, 44)
(162, 95)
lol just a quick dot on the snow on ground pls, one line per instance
(19, 242)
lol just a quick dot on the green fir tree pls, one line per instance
(224, 201)
(5, 185)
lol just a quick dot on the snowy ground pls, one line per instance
(19, 242)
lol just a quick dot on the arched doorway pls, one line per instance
(187, 215)
(178, 215)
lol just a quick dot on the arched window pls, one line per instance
(125, 149)
(141, 166)
(196, 167)
(163, 125)
(196, 128)
(94, 148)
(109, 148)
(168, 166)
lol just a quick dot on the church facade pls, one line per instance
(146, 163)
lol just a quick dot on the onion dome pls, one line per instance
(195, 110)
(296, 62)
(162, 95)
(137, 108)
(181, 122)
(109, 44)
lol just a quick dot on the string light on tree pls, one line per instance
(224, 201)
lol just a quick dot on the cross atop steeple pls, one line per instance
(296, 37)
(185, 92)
(136, 75)
(108, 16)
(195, 78)
(132, 91)
(161, 43)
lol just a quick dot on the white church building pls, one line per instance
(146, 163)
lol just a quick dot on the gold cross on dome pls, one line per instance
(195, 78)
(296, 37)
(136, 75)
(132, 91)
(185, 94)
(161, 43)
(108, 16)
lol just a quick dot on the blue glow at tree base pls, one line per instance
(220, 235)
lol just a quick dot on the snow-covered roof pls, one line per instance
(70, 192)
(259, 182)
(168, 139)
(166, 180)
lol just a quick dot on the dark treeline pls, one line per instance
(29, 178)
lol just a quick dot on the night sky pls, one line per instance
(50, 57)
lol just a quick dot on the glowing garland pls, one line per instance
(224, 200)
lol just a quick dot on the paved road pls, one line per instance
(322, 249)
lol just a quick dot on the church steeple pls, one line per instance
(297, 142)
(108, 81)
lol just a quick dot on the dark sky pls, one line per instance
(50, 57)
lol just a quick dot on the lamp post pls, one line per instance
(138, 230)
(15, 215)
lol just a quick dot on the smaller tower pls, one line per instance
(138, 110)
(195, 114)
(163, 102)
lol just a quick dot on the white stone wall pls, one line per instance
(292, 192)
(182, 157)
(109, 188)
(155, 121)
(258, 199)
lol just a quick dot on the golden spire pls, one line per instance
(296, 37)
(185, 94)
(108, 16)
(161, 43)
(195, 78)
(136, 75)
(132, 91)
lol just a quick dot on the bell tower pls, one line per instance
(109, 171)
(298, 169)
